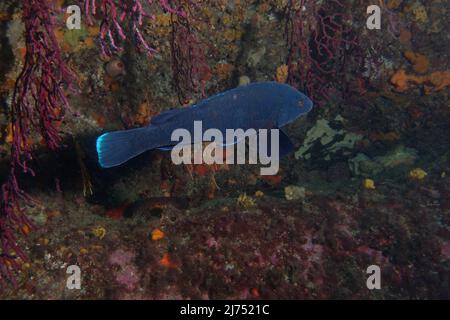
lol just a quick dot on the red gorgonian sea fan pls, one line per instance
(37, 106)
(121, 19)
(190, 69)
(318, 34)
(115, 15)
(126, 21)
(39, 102)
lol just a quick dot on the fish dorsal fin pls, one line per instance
(165, 116)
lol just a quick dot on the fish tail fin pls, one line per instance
(115, 148)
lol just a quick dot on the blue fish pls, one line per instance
(264, 105)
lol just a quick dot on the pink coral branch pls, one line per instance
(189, 64)
(114, 13)
(317, 35)
(190, 68)
(38, 103)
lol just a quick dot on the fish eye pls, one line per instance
(301, 103)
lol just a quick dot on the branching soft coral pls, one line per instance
(37, 107)
(121, 19)
(190, 70)
(124, 21)
(318, 36)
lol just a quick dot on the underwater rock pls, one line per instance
(73, 38)
(255, 56)
(338, 172)
(294, 193)
(152, 207)
(324, 142)
(14, 34)
(126, 273)
(401, 155)
(362, 165)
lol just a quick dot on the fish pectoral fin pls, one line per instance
(165, 116)
(286, 145)
(166, 148)
(230, 144)
(235, 141)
